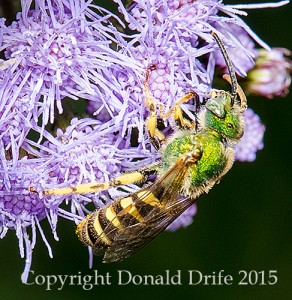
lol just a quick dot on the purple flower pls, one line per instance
(185, 219)
(22, 210)
(19, 111)
(271, 75)
(243, 55)
(63, 49)
(88, 151)
(56, 50)
(252, 140)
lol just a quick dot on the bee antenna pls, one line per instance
(233, 80)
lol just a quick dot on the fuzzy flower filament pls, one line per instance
(66, 50)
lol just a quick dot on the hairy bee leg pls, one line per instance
(84, 188)
(177, 112)
(156, 136)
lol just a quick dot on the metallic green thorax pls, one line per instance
(221, 126)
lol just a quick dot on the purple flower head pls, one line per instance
(18, 114)
(64, 50)
(271, 75)
(56, 50)
(252, 140)
(22, 210)
(87, 151)
(17, 203)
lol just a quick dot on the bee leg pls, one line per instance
(177, 112)
(92, 187)
(156, 136)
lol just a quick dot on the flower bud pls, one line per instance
(271, 75)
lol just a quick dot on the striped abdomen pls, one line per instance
(101, 228)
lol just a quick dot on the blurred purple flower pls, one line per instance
(185, 219)
(252, 140)
(271, 75)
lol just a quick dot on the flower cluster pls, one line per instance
(65, 56)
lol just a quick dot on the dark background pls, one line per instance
(244, 223)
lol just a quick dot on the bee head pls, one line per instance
(224, 116)
(224, 109)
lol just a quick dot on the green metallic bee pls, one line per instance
(193, 160)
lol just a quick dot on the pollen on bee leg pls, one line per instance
(127, 178)
(92, 187)
(176, 110)
(78, 189)
(178, 116)
(151, 125)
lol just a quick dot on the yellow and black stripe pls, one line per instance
(100, 228)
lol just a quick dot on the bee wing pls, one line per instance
(135, 237)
